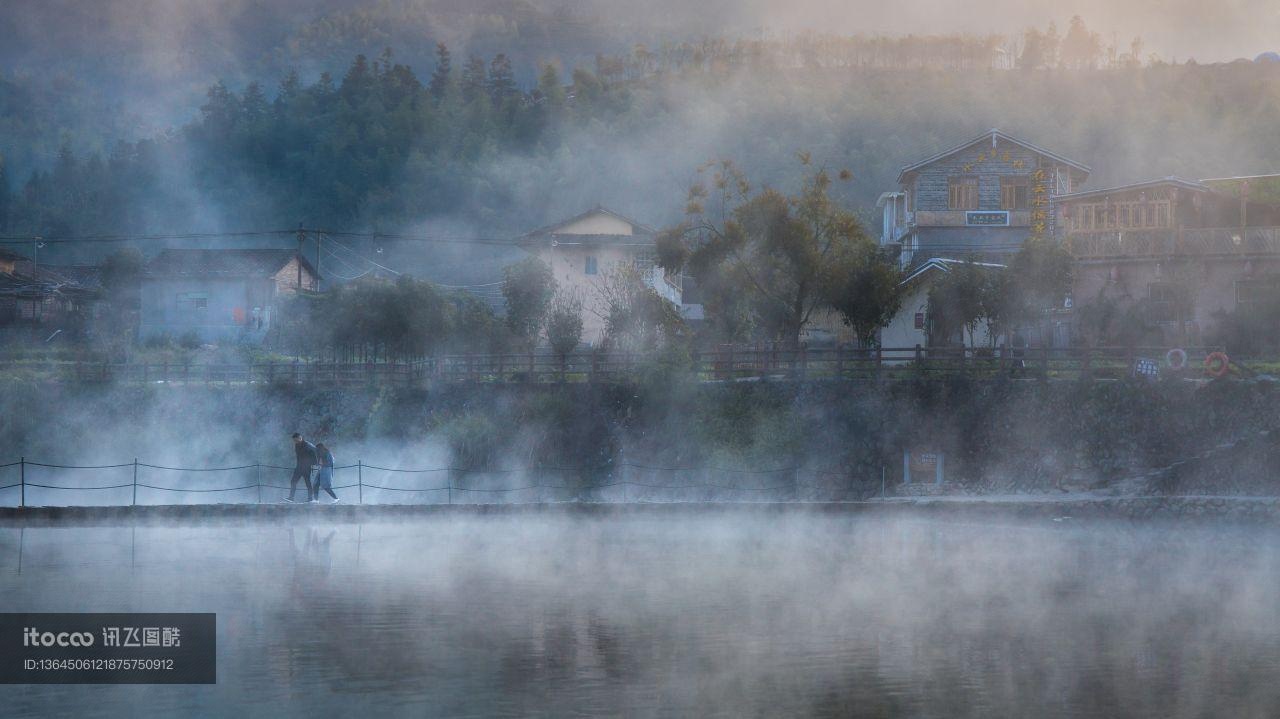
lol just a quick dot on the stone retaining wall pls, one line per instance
(1262, 510)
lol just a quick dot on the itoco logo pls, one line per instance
(32, 637)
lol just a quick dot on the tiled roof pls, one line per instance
(641, 233)
(988, 136)
(221, 263)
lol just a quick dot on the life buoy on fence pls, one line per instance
(1216, 364)
(1176, 358)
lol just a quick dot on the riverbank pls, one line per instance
(1031, 507)
(814, 441)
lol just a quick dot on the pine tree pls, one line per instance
(474, 78)
(502, 80)
(550, 88)
(443, 75)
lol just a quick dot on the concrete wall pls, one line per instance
(600, 223)
(901, 332)
(227, 316)
(287, 278)
(568, 264)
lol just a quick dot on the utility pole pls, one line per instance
(302, 236)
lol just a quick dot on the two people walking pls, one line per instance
(308, 456)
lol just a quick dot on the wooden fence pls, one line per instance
(722, 364)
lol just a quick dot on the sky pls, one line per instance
(1208, 30)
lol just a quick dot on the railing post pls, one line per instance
(879, 361)
(1086, 364)
(22, 479)
(135, 481)
(359, 481)
(257, 479)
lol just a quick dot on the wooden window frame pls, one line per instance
(1015, 192)
(961, 188)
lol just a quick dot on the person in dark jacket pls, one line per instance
(324, 476)
(306, 459)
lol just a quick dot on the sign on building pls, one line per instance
(922, 466)
(987, 218)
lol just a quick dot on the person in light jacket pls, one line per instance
(324, 478)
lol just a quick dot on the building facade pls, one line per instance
(219, 295)
(583, 250)
(1171, 256)
(37, 300)
(980, 199)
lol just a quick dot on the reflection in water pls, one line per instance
(768, 614)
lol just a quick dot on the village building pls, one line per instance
(980, 199)
(1178, 253)
(912, 327)
(219, 295)
(37, 300)
(583, 250)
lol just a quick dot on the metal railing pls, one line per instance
(1146, 242)
(140, 483)
(722, 364)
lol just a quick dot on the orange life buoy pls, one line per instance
(1216, 364)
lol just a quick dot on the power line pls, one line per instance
(89, 239)
(360, 257)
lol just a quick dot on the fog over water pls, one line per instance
(725, 614)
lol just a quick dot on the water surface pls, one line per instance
(678, 614)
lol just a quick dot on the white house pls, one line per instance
(910, 327)
(582, 250)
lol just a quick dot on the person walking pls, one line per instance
(306, 459)
(324, 476)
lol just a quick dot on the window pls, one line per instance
(1255, 292)
(591, 267)
(962, 193)
(1162, 305)
(1015, 193)
(193, 301)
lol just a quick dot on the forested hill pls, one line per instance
(472, 151)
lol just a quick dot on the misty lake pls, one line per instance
(728, 613)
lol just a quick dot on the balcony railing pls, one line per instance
(1240, 241)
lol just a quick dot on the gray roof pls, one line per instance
(943, 264)
(988, 135)
(548, 233)
(222, 263)
(1176, 181)
(31, 281)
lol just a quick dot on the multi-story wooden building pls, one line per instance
(982, 198)
(1175, 255)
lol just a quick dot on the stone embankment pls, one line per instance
(1205, 509)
